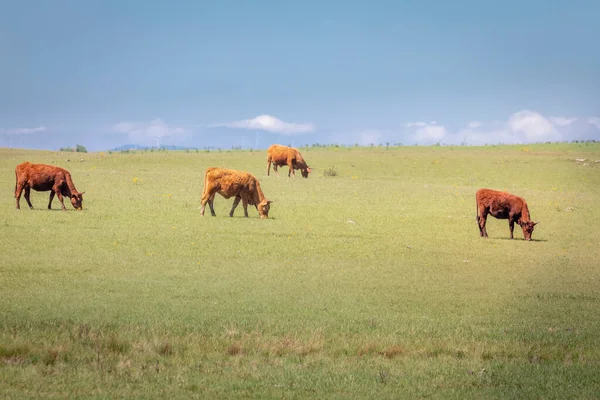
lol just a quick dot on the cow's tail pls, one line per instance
(16, 182)
(205, 178)
(476, 209)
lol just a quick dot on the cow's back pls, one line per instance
(278, 154)
(40, 177)
(216, 174)
(486, 197)
(498, 202)
(229, 182)
(23, 169)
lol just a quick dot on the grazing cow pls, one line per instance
(503, 205)
(41, 178)
(283, 155)
(231, 183)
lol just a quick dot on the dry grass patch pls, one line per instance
(256, 343)
(117, 345)
(393, 351)
(15, 353)
(235, 349)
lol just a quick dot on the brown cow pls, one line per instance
(283, 155)
(41, 177)
(503, 205)
(231, 183)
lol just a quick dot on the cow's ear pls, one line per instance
(535, 223)
(82, 193)
(308, 169)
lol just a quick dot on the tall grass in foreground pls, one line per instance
(371, 283)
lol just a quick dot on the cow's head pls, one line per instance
(263, 208)
(527, 227)
(77, 200)
(305, 172)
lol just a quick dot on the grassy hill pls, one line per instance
(373, 283)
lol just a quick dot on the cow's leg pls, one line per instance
(211, 201)
(207, 197)
(236, 201)
(50, 201)
(203, 202)
(481, 220)
(27, 192)
(245, 204)
(60, 198)
(268, 167)
(291, 171)
(18, 190)
(275, 169)
(511, 225)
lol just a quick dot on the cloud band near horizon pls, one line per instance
(524, 126)
(267, 123)
(22, 131)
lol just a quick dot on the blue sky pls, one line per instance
(251, 73)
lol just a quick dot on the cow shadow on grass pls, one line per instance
(249, 217)
(46, 210)
(521, 239)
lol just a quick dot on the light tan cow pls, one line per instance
(283, 155)
(231, 183)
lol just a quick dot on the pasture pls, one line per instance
(373, 283)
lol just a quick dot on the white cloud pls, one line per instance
(594, 121)
(427, 132)
(147, 132)
(561, 121)
(415, 124)
(267, 123)
(431, 133)
(524, 126)
(533, 125)
(22, 131)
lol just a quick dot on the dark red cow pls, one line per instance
(503, 205)
(41, 178)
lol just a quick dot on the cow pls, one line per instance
(41, 178)
(503, 205)
(283, 155)
(231, 183)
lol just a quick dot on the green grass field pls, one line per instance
(370, 284)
